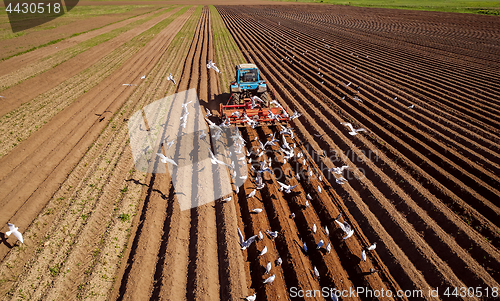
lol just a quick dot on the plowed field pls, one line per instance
(422, 180)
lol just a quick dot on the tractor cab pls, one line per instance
(248, 83)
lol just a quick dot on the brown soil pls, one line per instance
(423, 183)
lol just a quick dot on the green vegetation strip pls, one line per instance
(73, 35)
(66, 54)
(14, 126)
(470, 6)
(224, 44)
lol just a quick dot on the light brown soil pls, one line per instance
(423, 183)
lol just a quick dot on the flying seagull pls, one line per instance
(165, 159)
(171, 78)
(338, 170)
(245, 243)
(353, 131)
(14, 230)
(212, 65)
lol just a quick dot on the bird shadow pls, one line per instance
(163, 196)
(4, 240)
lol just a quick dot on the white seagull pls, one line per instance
(257, 210)
(411, 107)
(279, 261)
(285, 187)
(165, 159)
(264, 251)
(245, 243)
(252, 194)
(268, 267)
(320, 244)
(372, 247)
(353, 131)
(251, 298)
(226, 199)
(208, 112)
(338, 170)
(341, 180)
(314, 228)
(363, 255)
(261, 236)
(270, 279)
(212, 65)
(14, 230)
(304, 246)
(328, 247)
(316, 272)
(130, 85)
(171, 78)
(143, 77)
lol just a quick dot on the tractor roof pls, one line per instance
(244, 66)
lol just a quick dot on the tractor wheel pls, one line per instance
(263, 96)
(236, 98)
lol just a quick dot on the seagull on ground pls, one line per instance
(268, 267)
(257, 210)
(251, 195)
(270, 279)
(226, 199)
(328, 247)
(307, 204)
(363, 255)
(261, 236)
(14, 230)
(353, 131)
(264, 251)
(171, 78)
(319, 189)
(320, 244)
(372, 247)
(327, 231)
(314, 228)
(129, 85)
(165, 159)
(304, 246)
(316, 272)
(411, 107)
(251, 298)
(272, 234)
(279, 261)
(143, 77)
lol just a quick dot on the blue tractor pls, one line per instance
(248, 83)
